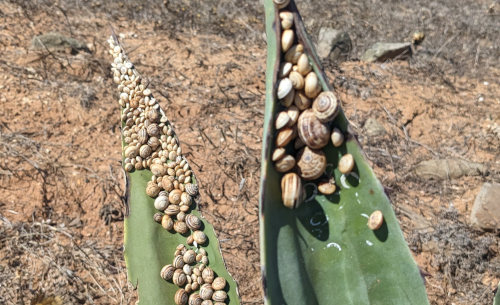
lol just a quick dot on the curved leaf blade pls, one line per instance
(323, 252)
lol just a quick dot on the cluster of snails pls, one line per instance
(152, 144)
(304, 124)
(190, 272)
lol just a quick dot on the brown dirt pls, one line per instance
(61, 183)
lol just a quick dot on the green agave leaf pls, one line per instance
(148, 247)
(496, 301)
(323, 252)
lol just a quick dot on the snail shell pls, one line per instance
(206, 291)
(310, 163)
(293, 112)
(158, 169)
(346, 164)
(294, 53)
(288, 100)
(312, 87)
(326, 106)
(298, 144)
(142, 136)
(301, 101)
(187, 269)
(312, 132)
(153, 142)
(129, 167)
(208, 275)
(167, 223)
(326, 187)
(180, 227)
(153, 130)
(167, 272)
(303, 65)
(219, 296)
(286, 20)
(161, 203)
(208, 302)
(152, 189)
(195, 299)
(285, 69)
(281, 3)
(285, 164)
(131, 152)
(175, 196)
(145, 151)
(189, 240)
(284, 87)
(282, 120)
(285, 135)
(292, 192)
(157, 217)
(193, 222)
(167, 184)
(153, 115)
(199, 237)
(376, 220)
(181, 216)
(172, 210)
(297, 80)
(287, 38)
(219, 283)
(186, 199)
(178, 262)
(337, 137)
(191, 189)
(181, 297)
(189, 257)
(278, 154)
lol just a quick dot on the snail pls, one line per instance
(175, 196)
(145, 151)
(219, 283)
(312, 87)
(195, 299)
(161, 203)
(207, 275)
(285, 69)
(326, 106)
(285, 135)
(191, 189)
(337, 137)
(152, 189)
(193, 222)
(294, 53)
(376, 220)
(167, 222)
(180, 227)
(179, 278)
(287, 38)
(284, 87)
(167, 272)
(178, 262)
(189, 257)
(199, 237)
(181, 297)
(312, 132)
(303, 65)
(293, 113)
(158, 169)
(282, 120)
(292, 191)
(286, 20)
(278, 153)
(285, 164)
(206, 291)
(346, 164)
(172, 210)
(310, 163)
(297, 80)
(219, 296)
(327, 187)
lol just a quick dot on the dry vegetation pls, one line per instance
(61, 183)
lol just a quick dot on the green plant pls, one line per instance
(150, 146)
(323, 252)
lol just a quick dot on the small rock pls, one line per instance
(56, 41)
(442, 169)
(373, 128)
(485, 213)
(382, 51)
(334, 44)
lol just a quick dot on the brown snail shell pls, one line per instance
(286, 20)
(180, 227)
(193, 222)
(278, 154)
(153, 115)
(181, 297)
(189, 257)
(219, 296)
(326, 187)
(129, 167)
(208, 302)
(142, 136)
(346, 164)
(167, 185)
(281, 3)
(326, 106)
(293, 113)
(297, 80)
(190, 240)
(152, 189)
(310, 163)
(376, 220)
(195, 299)
(199, 237)
(312, 87)
(175, 196)
(285, 86)
(219, 283)
(172, 210)
(294, 53)
(303, 65)
(191, 189)
(167, 222)
(301, 101)
(285, 164)
(161, 203)
(158, 169)
(206, 291)
(167, 272)
(292, 192)
(153, 130)
(287, 38)
(186, 199)
(298, 144)
(178, 262)
(285, 69)
(131, 151)
(285, 135)
(145, 151)
(157, 217)
(288, 99)
(337, 137)
(208, 275)
(153, 142)
(312, 132)
(282, 120)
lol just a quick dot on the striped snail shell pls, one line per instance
(178, 262)
(219, 283)
(175, 196)
(193, 222)
(326, 106)
(145, 151)
(179, 278)
(195, 299)
(189, 257)
(167, 272)
(152, 189)
(206, 291)
(327, 187)
(219, 296)
(180, 227)
(297, 80)
(208, 302)
(285, 164)
(153, 142)
(153, 115)
(285, 135)
(292, 191)
(278, 153)
(191, 189)
(157, 217)
(172, 210)
(312, 132)
(310, 163)
(131, 151)
(181, 297)
(158, 170)
(167, 185)
(294, 53)
(161, 203)
(153, 130)
(207, 275)
(301, 101)
(199, 237)
(186, 199)
(142, 136)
